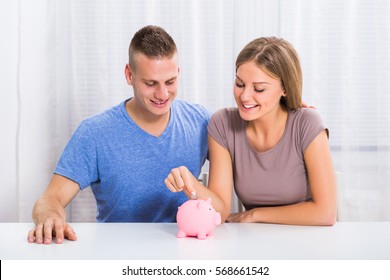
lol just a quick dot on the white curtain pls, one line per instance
(344, 47)
(63, 61)
(29, 104)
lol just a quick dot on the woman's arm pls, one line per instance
(220, 184)
(221, 177)
(321, 210)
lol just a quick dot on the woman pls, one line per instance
(275, 153)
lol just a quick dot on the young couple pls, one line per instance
(274, 152)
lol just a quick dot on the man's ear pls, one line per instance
(128, 74)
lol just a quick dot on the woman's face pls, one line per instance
(256, 93)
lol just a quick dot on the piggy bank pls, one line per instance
(197, 218)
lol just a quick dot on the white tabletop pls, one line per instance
(138, 241)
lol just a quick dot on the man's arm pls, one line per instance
(49, 213)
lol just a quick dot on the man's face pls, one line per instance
(155, 83)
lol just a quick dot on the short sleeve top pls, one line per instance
(275, 177)
(126, 167)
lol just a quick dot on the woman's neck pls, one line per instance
(264, 133)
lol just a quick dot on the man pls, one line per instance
(125, 153)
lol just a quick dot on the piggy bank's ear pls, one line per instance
(209, 200)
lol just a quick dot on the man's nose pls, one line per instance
(162, 92)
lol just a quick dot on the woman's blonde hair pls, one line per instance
(278, 58)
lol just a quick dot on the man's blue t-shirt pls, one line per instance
(126, 166)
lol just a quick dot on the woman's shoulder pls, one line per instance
(308, 123)
(306, 115)
(225, 114)
(227, 120)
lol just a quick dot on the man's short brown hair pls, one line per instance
(153, 42)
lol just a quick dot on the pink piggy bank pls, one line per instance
(197, 218)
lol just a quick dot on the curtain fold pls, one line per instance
(9, 109)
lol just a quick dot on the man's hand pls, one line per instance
(49, 213)
(181, 179)
(304, 105)
(44, 232)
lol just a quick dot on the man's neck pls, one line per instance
(152, 124)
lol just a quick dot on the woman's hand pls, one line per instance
(241, 217)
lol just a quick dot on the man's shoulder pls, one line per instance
(185, 105)
(106, 116)
(185, 108)
(103, 119)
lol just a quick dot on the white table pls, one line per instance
(138, 241)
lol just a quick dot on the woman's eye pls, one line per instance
(239, 85)
(259, 90)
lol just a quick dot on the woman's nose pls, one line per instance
(246, 94)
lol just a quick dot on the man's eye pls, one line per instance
(149, 84)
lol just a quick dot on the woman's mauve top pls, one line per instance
(274, 177)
